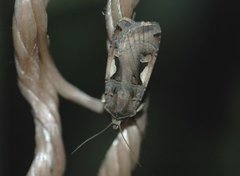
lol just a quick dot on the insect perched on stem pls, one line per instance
(132, 54)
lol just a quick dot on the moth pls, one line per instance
(132, 54)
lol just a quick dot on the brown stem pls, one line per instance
(120, 160)
(40, 82)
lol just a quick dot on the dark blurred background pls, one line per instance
(193, 125)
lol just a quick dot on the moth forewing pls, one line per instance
(151, 41)
(146, 74)
(143, 75)
(111, 66)
(134, 45)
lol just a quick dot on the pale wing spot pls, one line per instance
(144, 74)
(113, 68)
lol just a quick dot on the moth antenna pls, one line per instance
(89, 139)
(131, 150)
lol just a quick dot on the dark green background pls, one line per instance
(194, 115)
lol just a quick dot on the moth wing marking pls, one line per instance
(110, 65)
(113, 68)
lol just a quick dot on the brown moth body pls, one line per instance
(131, 56)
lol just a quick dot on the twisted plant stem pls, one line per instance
(29, 34)
(40, 82)
(121, 160)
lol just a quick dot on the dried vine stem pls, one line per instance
(39, 82)
(28, 28)
(116, 10)
(119, 160)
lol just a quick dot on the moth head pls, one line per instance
(116, 123)
(121, 99)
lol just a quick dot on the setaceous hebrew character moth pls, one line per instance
(132, 54)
